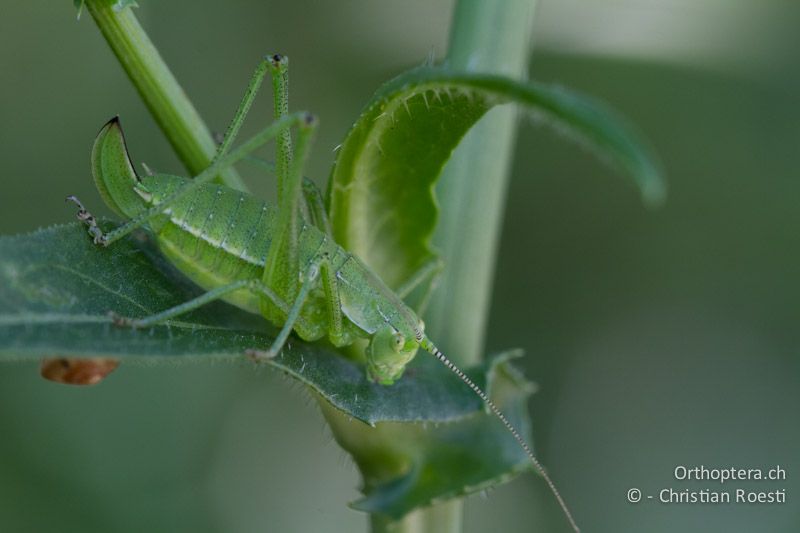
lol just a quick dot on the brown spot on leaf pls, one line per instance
(78, 371)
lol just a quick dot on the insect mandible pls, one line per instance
(279, 261)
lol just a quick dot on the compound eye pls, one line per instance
(399, 342)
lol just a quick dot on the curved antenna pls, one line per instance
(427, 345)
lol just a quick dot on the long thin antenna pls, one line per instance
(430, 347)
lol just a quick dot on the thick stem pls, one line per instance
(164, 97)
(490, 37)
(442, 518)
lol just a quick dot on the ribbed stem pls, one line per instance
(161, 92)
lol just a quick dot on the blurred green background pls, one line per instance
(658, 338)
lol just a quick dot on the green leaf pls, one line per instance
(380, 195)
(56, 289)
(435, 463)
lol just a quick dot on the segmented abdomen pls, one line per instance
(216, 235)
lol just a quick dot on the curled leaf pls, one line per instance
(380, 194)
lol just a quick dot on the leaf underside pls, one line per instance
(380, 194)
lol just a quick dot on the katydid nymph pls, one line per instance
(277, 261)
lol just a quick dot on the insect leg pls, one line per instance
(208, 297)
(242, 110)
(331, 287)
(316, 207)
(294, 314)
(282, 267)
(311, 205)
(252, 144)
(429, 272)
(279, 71)
(87, 218)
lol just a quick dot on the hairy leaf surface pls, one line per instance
(57, 288)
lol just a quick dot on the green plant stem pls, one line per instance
(161, 92)
(490, 37)
(442, 518)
